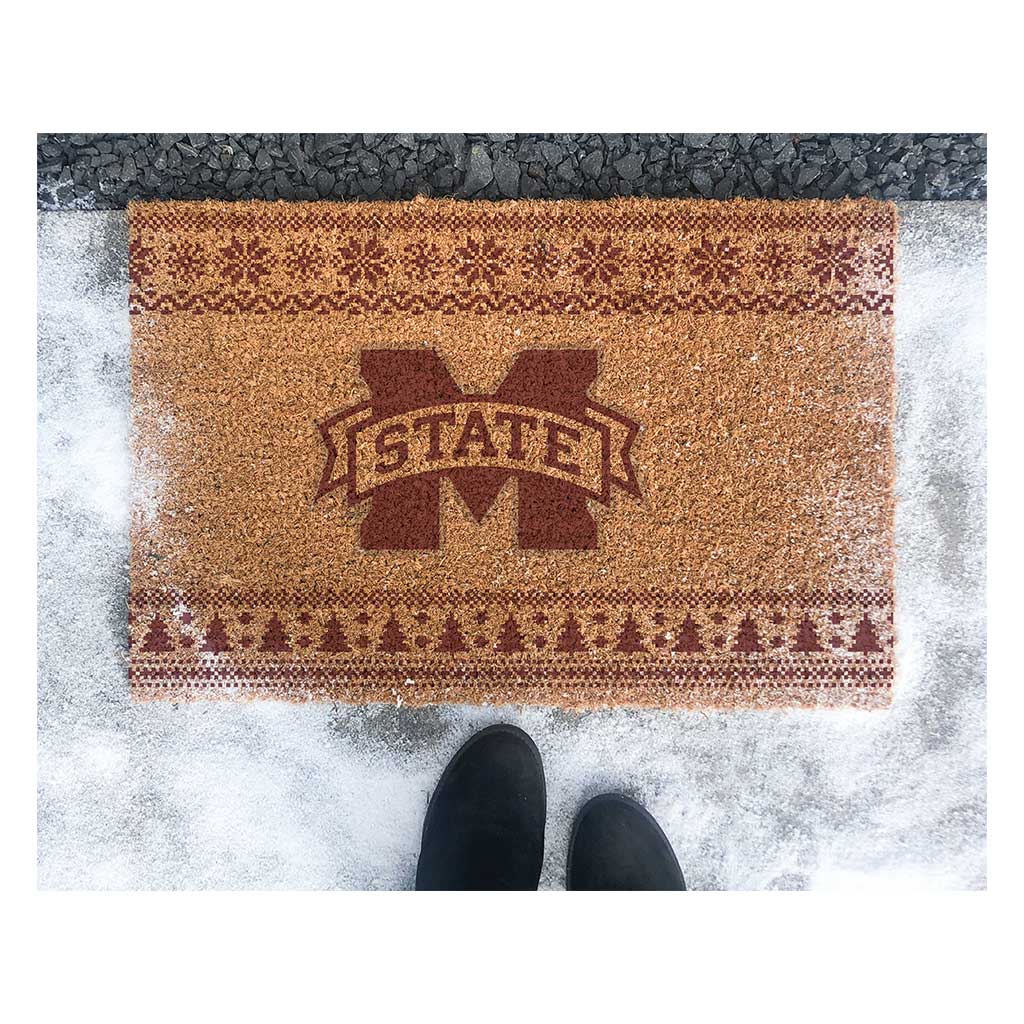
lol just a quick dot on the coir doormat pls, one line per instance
(570, 453)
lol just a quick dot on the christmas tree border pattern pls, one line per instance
(451, 640)
(334, 640)
(275, 640)
(806, 640)
(865, 640)
(688, 638)
(748, 640)
(158, 639)
(392, 639)
(510, 639)
(630, 640)
(215, 640)
(570, 639)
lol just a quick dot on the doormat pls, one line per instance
(634, 452)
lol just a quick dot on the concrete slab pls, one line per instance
(321, 796)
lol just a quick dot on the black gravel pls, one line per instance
(105, 171)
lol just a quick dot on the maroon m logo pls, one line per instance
(419, 426)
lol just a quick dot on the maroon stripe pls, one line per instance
(451, 597)
(513, 303)
(373, 674)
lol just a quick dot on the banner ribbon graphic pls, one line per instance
(590, 453)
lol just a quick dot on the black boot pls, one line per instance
(484, 827)
(616, 844)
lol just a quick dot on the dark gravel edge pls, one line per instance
(106, 171)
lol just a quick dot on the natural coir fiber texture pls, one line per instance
(630, 453)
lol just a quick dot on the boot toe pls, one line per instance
(617, 845)
(484, 827)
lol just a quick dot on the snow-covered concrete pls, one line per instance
(265, 795)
